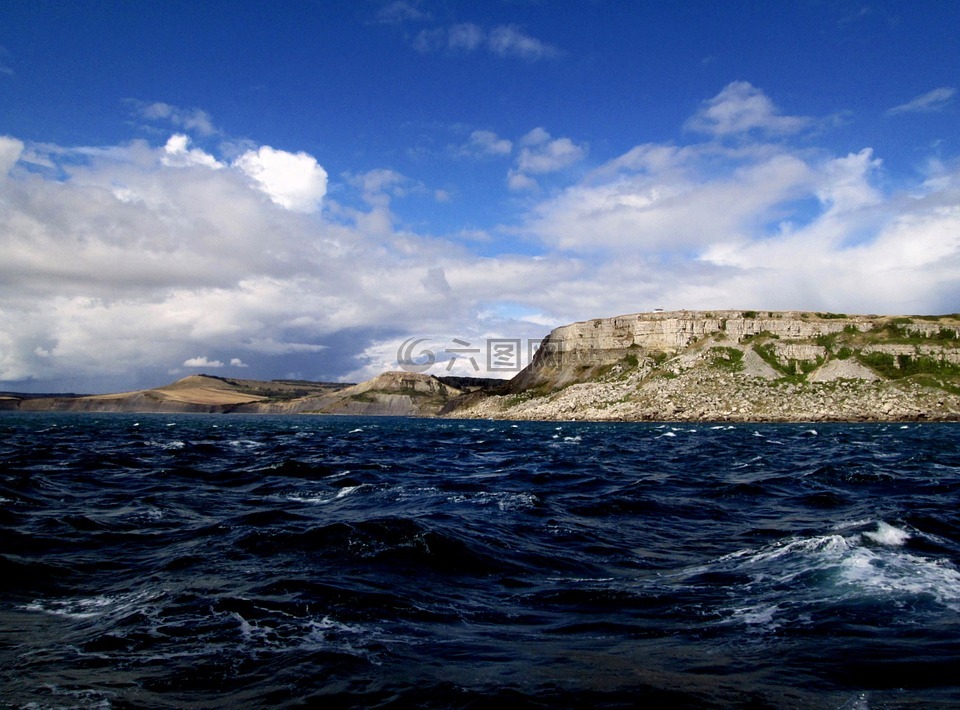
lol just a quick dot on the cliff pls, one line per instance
(737, 366)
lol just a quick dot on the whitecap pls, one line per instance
(173, 444)
(300, 498)
(895, 574)
(328, 632)
(504, 500)
(886, 534)
(245, 444)
(347, 490)
(832, 569)
(246, 628)
(90, 607)
(760, 615)
(830, 546)
(325, 497)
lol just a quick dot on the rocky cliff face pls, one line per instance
(721, 365)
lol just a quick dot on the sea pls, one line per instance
(206, 561)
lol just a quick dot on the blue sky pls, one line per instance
(296, 189)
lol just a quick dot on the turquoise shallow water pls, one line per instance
(199, 561)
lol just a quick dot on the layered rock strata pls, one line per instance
(738, 366)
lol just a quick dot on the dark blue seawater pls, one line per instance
(159, 561)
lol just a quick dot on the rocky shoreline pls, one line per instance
(707, 398)
(737, 366)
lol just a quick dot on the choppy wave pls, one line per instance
(196, 561)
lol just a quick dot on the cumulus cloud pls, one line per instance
(378, 181)
(518, 181)
(484, 143)
(541, 154)
(130, 260)
(190, 119)
(662, 201)
(739, 108)
(10, 151)
(712, 226)
(935, 100)
(292, 180)
(201, 361)
(179, 155)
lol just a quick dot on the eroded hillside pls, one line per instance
(739, 365)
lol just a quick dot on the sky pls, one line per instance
(329, 190)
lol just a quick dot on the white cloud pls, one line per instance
(378, 181)
(431, 40)
(518, 182)
(465, 36)
(739, 108)
(536, 136)
(845, 184)
(502, 41)
(10, 151)
(935, 100)
(191, 119)
(509, 41)
(121, 262)
(201, 361)
(662, 202)
(399, 11)
(486, 143)
(292, 180)
(237, 362)
(177, 154)
(758, 225)
(542, 154)
(549, 156)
